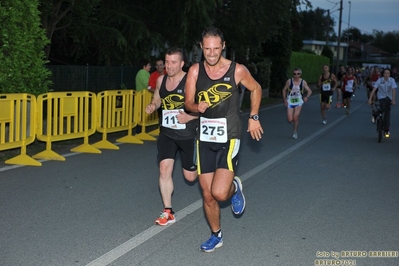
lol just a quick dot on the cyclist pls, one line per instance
(386, 95)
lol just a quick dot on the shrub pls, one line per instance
(22, 41)
(310, 64)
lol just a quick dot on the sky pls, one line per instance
(366, 15)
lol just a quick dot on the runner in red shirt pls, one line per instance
(348, 87)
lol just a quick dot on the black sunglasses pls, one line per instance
(296, 74)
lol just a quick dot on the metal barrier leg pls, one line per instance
(104, 143)
(155, 132)
(130, 138)
(86, 147)
(23, 159)
(48, 154)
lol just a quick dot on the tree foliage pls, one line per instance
(388, 41)
(116, 32)
(278, 46)
(352, 34)
(327, 52)
(316, 24)
(22, 40)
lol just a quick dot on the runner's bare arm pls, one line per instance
(190, 89)
(156, 98)
(243, 76)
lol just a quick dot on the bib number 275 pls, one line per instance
(213, 130)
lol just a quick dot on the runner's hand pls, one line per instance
(255, 129)
(202, 106)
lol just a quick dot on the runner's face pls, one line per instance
(159, 65)
(173, 64)
(212, 48)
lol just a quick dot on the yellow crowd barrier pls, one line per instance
(17, 125)
(60, 116)
(143, 119)
(64, 116)
(115, 113)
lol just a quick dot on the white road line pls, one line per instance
(132, 243)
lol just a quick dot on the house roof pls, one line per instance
(365, 47)
(315, 42)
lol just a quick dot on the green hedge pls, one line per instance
(22, 41)
(310, 64)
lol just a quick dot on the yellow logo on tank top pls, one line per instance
(173, 101)
(214, 96)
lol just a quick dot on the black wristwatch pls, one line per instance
(254, 117)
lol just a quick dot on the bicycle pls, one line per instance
(379, 116)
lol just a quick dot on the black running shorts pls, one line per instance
(212, 156)
(168, 147)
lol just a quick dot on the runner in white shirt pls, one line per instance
(293, 98)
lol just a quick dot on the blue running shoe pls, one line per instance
(211, 244)
(238, 199)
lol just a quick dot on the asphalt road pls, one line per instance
(332, 193)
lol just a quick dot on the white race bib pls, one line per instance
(213, 129)
(349, 86)
(169, 119)
(295, 99)
(326, 86)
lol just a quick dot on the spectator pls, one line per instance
(143, 75)
(160, 70)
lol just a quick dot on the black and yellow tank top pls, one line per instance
(173, 100)
(222, 96)
(326, 85)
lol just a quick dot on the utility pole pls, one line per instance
(349, 16)
(339, 34)
(348, 34)
(328, 27)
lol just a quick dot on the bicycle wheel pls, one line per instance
(379, 129)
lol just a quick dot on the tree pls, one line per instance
(102, 32)
(296, 25)
(278, 46)
(242, 42)
(52, 12)
(327, 52)
(316, 24)
(351, 34)
(98, 32)
(388, 41)
(22, 41)
(183, 24)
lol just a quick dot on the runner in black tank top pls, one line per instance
(174, 100)
(327, 84)
(223, 97)
(178, 130)
(211, 90)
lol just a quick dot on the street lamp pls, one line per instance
(348, 34)
(349, 16)
(339, 34)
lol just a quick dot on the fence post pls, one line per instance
(87, 77)
(122, 86)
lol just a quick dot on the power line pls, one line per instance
(336, 3)
(346, 23)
